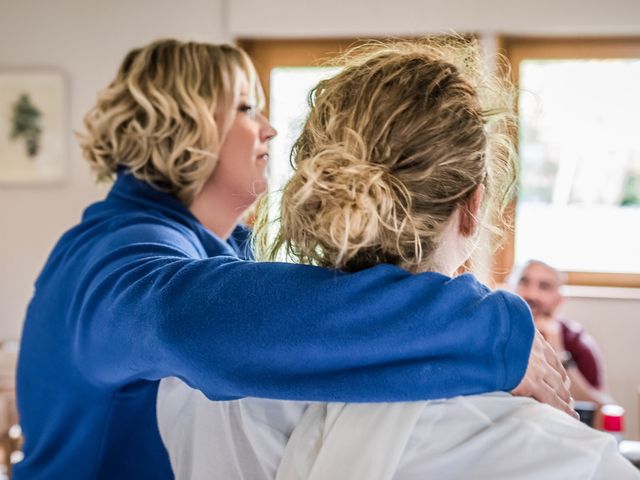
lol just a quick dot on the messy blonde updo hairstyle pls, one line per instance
(394, 143)
(164, 115)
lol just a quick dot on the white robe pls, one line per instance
(492, 436)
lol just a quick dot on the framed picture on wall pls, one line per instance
(33, 126)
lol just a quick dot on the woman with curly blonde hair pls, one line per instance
(404, 157)
(157, 281)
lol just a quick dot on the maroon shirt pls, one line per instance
(584, 351)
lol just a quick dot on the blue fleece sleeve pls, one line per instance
(516, 339)
(236, 328)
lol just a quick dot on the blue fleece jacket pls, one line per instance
(140, 290)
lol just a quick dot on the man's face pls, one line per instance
(540, 287)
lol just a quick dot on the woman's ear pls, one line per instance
(469, 212)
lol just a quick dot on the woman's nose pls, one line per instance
(267, 130)
(271, 132)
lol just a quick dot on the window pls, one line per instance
(289, 107)
(579, 200)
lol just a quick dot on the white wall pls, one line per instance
(615, 325)
(86, 40)
(348, 18)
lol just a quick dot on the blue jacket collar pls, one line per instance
(132, 190)
(127, 188)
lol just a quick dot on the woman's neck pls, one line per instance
(218, 212)
(452, 251)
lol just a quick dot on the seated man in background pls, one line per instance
(539, 284)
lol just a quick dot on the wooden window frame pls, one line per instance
(517, 49)
(269, 54)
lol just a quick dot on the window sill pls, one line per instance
(616, 293)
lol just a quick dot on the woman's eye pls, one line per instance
(249, 109)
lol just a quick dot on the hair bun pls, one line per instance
(342, 204)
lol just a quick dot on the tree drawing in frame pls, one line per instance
(25, 124)
(33, 127)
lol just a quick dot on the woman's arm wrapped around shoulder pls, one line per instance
(235, 328)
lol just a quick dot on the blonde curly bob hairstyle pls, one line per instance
(164, 115)
(394, 143)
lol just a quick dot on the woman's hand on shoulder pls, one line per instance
(546, 379)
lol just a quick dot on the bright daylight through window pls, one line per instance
(579, 202)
